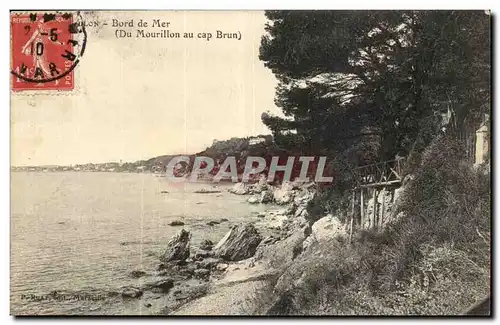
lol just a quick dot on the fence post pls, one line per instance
(352, 216)
(374, 215)
(362, 208)
(382, 212)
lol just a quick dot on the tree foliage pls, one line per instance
(375, 79)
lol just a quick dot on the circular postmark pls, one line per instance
(46, 48)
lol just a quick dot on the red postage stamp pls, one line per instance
(45, 49)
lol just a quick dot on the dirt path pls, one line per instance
(233, 294)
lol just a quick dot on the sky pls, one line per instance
(138, 98)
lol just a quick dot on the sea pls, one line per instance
(76, 236)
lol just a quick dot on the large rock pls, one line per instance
(283, 251)
(239, 243)
(178, 247)
(326, 228)
(284, 194)
(240, 189)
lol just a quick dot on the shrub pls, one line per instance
(328, 200)
(433, 260)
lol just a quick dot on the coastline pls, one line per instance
(186, 275)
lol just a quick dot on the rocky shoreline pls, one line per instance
(222, 277)
(185, 273)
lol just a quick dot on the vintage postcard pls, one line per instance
(250, 163)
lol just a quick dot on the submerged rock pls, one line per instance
(178, 247)
(137, 274)
(239, 243)
(176, 223)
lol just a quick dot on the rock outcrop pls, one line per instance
(325, 228)
(284, 194)
(239, 243)
(240, 189)
(178, 247)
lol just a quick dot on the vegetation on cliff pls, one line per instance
(363, 87)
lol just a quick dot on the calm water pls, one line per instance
(84, 233)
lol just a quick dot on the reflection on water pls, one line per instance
(82, 234)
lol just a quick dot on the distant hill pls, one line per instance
(240, 148)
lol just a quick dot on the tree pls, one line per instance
(352, 78)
